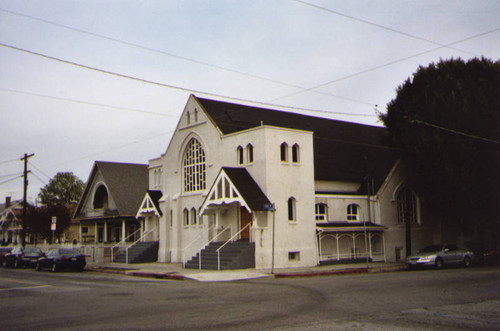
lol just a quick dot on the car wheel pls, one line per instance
(467, 262)
(439, 263)
(54, 267)
(38, 267)
(4, 263)
(16, 264)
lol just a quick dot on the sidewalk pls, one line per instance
(175, 271)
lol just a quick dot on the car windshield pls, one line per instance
(431, 249)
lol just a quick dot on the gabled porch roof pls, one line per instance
(235, 185)
(150, 204)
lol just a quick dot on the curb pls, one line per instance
(322, 273)
(146, 274)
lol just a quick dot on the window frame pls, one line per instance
(295, 153)
(284, 152)
(408, 197)
(292, 209)
(249, 153)
(321, 216)
(194, 166)
(353, 215)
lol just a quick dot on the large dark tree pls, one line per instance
(445, 125)
(64, 188)
(39, 220)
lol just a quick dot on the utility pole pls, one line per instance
(25, 175)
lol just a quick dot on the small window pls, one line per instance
(352, 212)
(239, 153)
(196, 115)
(171, 218)
(295, 153)
(186, 217)
(321, 212)
(250, 153)
(85, 229)
(293, 256)
(284, 152)
(194, 220)
(188, 116)
(291, 209)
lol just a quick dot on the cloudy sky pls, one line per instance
(88, 80)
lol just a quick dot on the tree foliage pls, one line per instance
(445, 125)
(64, 188)
(39, 220)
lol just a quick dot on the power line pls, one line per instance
(8, 161)
(9, 180)
(87, 103)
(40, 171)
(123, 42)
(382, 26)
(166, 85)
(455, 131)
(385, 65)
(9, 175)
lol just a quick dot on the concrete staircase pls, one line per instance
(235, 255)
(141, 252)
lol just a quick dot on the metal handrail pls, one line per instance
(208, 243)
(191, 243)
(135, 242)
(230, 240)
(123, 241)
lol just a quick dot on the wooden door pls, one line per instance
(245, 218)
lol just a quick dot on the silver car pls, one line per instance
(440, 255)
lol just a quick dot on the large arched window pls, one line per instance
(407, 205)
(101, 198)
(194, 167)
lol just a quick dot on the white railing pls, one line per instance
(121, 243)
(208, 243)
(191, 243)
(230, 240)
(135, 242)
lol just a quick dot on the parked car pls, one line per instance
(22, 257)
(4, 251)
(61, 258)
(441, 255)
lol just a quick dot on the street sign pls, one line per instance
(54, 219)
(53, 227)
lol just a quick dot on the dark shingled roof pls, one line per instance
(127, 184)
(155, 197)
(343, 151)
(248, 188)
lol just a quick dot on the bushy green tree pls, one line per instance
(445, 126)
(39, 220)
(64, 188)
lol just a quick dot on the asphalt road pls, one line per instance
(450, 299)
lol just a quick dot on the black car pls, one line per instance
(22, 257)
(61, 258)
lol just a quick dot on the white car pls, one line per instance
(440, 255)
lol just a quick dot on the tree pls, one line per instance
(444, 124)
(64, 188)
(39, 220)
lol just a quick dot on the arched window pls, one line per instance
(249, 153)
(188, 115)
(295, 153)
(193, 217)
(407, 205)
(321, 210)
(185, 214)
(194, 167)
(284, 152)
(101, 198)
(352, 212)
(239, 154)
(291, 210)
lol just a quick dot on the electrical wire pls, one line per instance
(383, 27)
(455, 131)
(165, 85)
(386, 64)
(9, 175)
(9, 180)
(123, 42)
(8, 161)
(87, 103)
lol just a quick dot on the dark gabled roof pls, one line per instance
(343, 151)
(127, 184)
(155, 198)
(248, 188)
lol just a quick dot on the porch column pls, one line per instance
(353, 245)
(123, 231)
(370, 244)
(80, 234)
(338, 253)
(105, 239)
(96, 234)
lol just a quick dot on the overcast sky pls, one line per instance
(342, 57)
